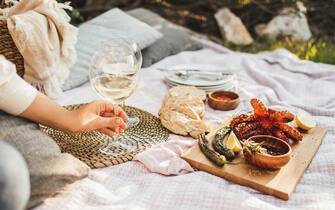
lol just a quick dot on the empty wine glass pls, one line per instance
(113, 76)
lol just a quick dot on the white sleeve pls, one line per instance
(16, 95)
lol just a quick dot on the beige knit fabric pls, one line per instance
(44, 36)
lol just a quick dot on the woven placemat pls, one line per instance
(85, 146)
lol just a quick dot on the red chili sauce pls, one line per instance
(223, 97)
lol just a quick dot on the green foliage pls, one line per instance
(320, 50)
(252, 12)
(76, 17)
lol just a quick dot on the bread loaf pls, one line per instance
(182, 111)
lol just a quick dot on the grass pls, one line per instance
(318, 50)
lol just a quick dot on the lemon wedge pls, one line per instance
(233, 143)
(305, 121)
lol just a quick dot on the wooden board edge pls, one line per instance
(237, 180)
(232, 178)
(324, 132)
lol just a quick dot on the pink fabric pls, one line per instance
(165, 158)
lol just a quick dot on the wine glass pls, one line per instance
(113, 76)
(115, 40)
(118, 41)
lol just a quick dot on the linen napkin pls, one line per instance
(46, 40)
(164, 158)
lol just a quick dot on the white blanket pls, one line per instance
(279, 79)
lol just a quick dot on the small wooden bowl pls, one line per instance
(225, 105)
(266, 161)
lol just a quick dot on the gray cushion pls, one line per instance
(113, 23)
(176, 38)
(50, 170)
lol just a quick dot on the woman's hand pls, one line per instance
(98, 115)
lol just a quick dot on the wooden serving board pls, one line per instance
(280, 183)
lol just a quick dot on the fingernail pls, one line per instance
(118, 121)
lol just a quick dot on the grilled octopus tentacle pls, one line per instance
(260, 109)
(265, 121)
(236, 129)
(241, 119)
(248, 128)
(280, 134)
(281, 116)
(258, 131)
(289, 131)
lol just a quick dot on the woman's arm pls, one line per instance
(97, 115)
(17, 97)
(15, 93)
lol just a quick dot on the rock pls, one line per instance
(290, 22)
(232, 28)
(301, 7)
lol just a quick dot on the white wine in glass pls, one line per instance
(113, 76)
(116, 88)
(129, 71)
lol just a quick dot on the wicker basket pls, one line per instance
(9, 49)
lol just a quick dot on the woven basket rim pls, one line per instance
(9, 49)
(4, 6)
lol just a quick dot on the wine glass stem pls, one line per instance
(123, 105)
(106, 149)
(132, 120)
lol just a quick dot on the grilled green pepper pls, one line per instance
(215, 157)
(219, 146)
